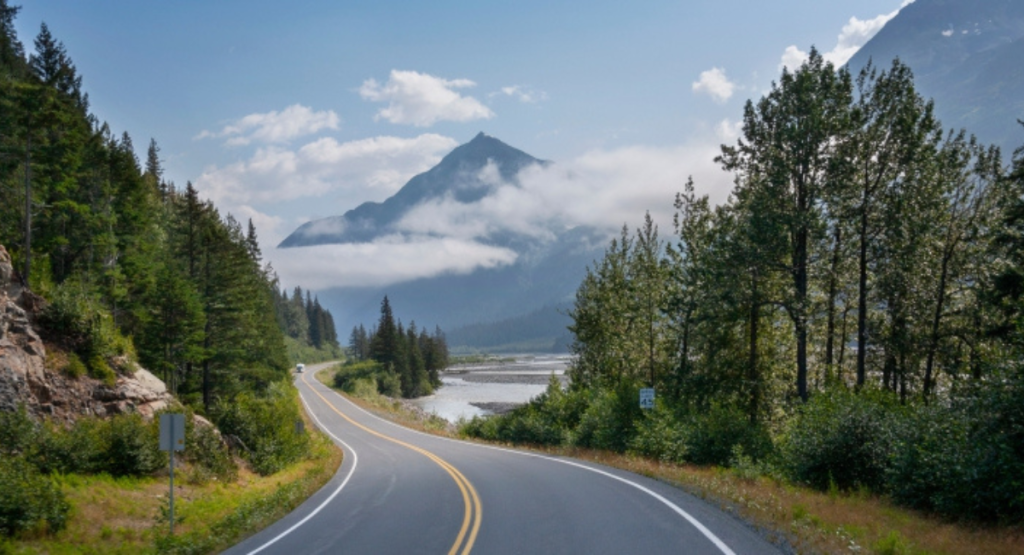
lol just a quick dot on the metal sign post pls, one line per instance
(647, 398)
(172, 438)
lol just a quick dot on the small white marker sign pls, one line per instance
(647, 398)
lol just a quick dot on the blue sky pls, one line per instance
(290, 112)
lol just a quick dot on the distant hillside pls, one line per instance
(528, 333)
(967, 56)
(519, 296)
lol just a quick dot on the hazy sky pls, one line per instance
(286, 112)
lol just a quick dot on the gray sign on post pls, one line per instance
(172, 438)
(647, 398)
(172, 432)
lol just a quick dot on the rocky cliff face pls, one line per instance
(26, 380)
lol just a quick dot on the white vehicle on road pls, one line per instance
(300, 367)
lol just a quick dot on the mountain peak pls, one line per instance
(457, 176)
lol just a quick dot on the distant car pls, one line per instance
(300, 367)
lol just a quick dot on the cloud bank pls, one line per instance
(366, 169)
(422, 100)
(603, 189)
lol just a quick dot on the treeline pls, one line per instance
(853, 316)
(402, 361)
(131, 265)
(305, 321)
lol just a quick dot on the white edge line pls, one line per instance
(355, 462)
(675, 508)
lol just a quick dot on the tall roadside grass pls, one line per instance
(218, 499)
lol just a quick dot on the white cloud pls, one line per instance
(275, 127)
(947, 33)
(602, 189)
(855, 34)
(522, 93)
(335, 176)
(422, 100)
(371, 168)
(714, 83)
(388, 260)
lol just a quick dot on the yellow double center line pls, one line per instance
(472, 515)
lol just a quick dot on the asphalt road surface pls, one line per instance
(404, 492)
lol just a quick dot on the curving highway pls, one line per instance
(405, 492)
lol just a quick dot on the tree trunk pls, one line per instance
(753, 378)
(933, 344)
(862, 297)
(831, 326)
(28, 211)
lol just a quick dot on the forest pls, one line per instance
(852, 317)
(128, 268)
(132, 267)
(392, 359)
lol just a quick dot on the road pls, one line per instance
(405, 492)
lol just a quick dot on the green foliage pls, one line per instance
(99, 369)
(965, 459)
(265, 425)
(607, 422)
(722, 435)
(131, 446)
(546, 420)
(210, 457)
(19, 433)
(77, 319)
(75, 368)
(82, 448)
(843, 438)
(29, 501)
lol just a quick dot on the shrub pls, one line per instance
(208, 453)
(29, 501)
(660, 434)
(712, 437)
(843, 439)
(607, 423)
(100, 370)
(75, 368)
(720, 436)
(77, 319)
(80, 448)
(965, 459)
(19, 433)
(266, 426)
(132, 446)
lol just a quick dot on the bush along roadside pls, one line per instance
(59, 494)
(962, 460)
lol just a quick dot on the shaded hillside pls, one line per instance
(966, 55)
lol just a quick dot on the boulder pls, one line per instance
(25, 379)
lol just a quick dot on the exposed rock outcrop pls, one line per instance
(26, 380)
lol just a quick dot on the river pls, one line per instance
(479, 389)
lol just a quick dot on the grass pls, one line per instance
(129, 515)
(805, 520)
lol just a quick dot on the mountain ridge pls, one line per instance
(965, 55)
(455, 174)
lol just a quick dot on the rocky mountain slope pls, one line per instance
(540, 283)
(26, 378)
(967, 56)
